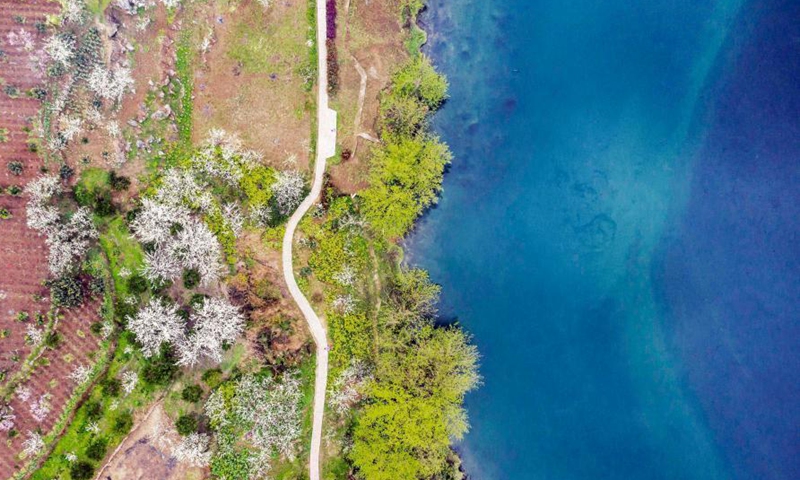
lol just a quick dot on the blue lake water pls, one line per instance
(619, 233)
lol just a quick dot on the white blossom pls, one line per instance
(346, 277)
(80, 374)
(70, 457)
(35, 335)
(345, 304)
(154, 325)
(348, 387)
(129, 382)
(70, 241)
(32, 445)
(193, 450)
(215, 409)
(112, 127)
(155, 220)
(93, 427)
(72, 11)
(21, 38)
(233, 217)
(23, 393)
(7, 418)
(288, 190)
(110, 84)
(113, 405)
(106, 329)
(40, 408)
(60, 48)
(218, 322)
(124, 272)
(70, 126)
(273, 411)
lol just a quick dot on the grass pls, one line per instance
(263, 45)
(122, 252)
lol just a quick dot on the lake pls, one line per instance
(619, 231)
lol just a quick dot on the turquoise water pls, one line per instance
(578, 238)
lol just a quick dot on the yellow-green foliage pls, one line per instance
(221, 229)
(257, 185)
(405, 179)
(419, 80)
(351, 334)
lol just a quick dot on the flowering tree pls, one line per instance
(193, 449)
(154, 325)
(129, 382)
(41, 407)
(7, 418)
(218, 322)
(66, 241)
(272, 412)
(80, 374)
(60, 48)
(288, 191)
(110, 84)
(348, 387)
(32, 445)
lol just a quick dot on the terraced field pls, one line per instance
(23, 253)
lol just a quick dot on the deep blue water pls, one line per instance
(619, 232)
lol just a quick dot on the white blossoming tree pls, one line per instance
(110, 84)
(32, 445)
(218, 322)
(154, 325)
(288, 191)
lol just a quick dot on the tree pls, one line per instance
(81, 470)
(154, 325)
(420, 81)
(414, 405)
(217, 323)
(192, 393)
(405, 178)
(288, 191)
(186, 424)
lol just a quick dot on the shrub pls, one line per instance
(197, 300)
(123, 422)
(96, 328)
(192, 393)
(53, 340)
(97, 286)
(81, 470)
(118, 182)
(137, 284)
(97, 449)
(94, 410)
(160, 369)
(15, 167)
(191, 278)
(212, 377)
(66, 172)
(186, 424)
(111, 387)
(4, 213)
(103, 205)
(65, 292)
(15, 190)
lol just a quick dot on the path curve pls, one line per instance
(326, 148)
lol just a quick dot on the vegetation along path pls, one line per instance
(326, 148)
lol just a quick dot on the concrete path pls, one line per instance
(326, 148)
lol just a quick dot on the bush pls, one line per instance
(212, 377)
(66, 172)
(118, 182)
(103, 205)
(15, 167)
(111, 387)
(186, 424)
(191, 278)
(197, 300)
(53, 340)
(94, 410)
(137, 284)
(160, 370)
(123, 422)
(65, 292)
(97, 286)
(97, 449)
(81, 470)
(15, 190)
(4, 213)
(192, 393)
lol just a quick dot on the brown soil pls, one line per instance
(146, 453)
(370, 31)
(264, 104)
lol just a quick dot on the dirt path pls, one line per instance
(326, 148)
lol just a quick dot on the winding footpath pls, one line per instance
(326, 148)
